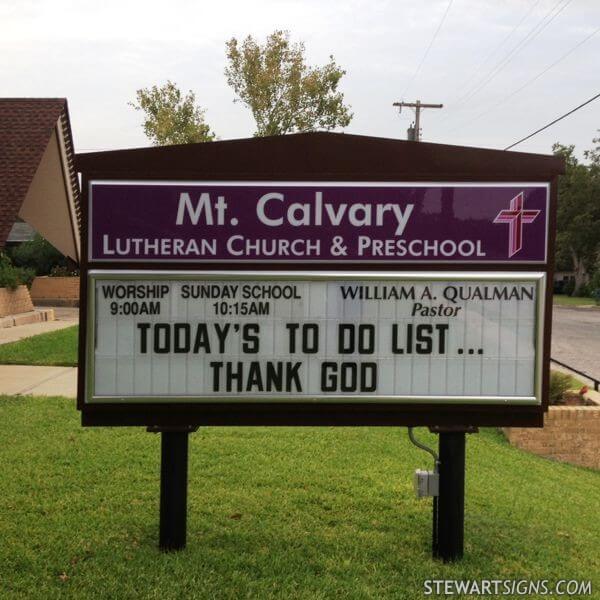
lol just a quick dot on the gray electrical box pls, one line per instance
(427, 483)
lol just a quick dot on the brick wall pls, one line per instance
(13, 302)
(55, 291)
(570, 434)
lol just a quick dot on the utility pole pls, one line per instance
(449, 503)
(418, 106)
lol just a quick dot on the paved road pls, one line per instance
(576, 339)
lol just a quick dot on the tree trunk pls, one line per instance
(581, 276)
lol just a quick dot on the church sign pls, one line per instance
(316, 280)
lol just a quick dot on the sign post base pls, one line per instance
(173, 487)
(449, 506)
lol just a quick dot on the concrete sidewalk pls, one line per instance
(38, 381)
(34, 380)
(64, 317)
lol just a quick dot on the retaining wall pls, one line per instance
(55, 291)
(570, 434)
(13, 302)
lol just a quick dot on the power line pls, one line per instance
(412, 79)
(520, 46)
(502, 43)
(533, 33)
(470, 121)
(554, 122)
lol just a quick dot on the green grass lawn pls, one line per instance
(563, 300)
(58, 348)
(273, 513)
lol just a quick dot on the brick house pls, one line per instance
(38, 184)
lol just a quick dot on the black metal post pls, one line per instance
(448, 544)
(434, 535)
(173, 489)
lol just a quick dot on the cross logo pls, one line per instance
(516, 216)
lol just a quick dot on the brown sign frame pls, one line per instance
(297, 158)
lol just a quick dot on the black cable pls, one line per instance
(515, 51)
(504, 61)
(553, 122)
(468, 122)
(493, 52)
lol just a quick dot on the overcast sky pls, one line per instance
(98, 54)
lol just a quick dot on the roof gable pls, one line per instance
(28, 129)
(25, 129)
(321, 155)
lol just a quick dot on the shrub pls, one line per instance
(64, 271)
(559, 384)
(584, 291)
(594, 286)
(38, 254)
(11, 276)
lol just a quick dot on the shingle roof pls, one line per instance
(26, 125)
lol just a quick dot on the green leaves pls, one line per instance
(12, 277)
(273, 80)
(284, 94)
(170, 117)
(578, 216)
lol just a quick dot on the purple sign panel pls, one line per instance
(280, 222)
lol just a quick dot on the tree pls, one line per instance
(170, 117)
(594, 155)
(284, 94)
(578, 217)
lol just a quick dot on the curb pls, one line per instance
(584, 307)
(35, 316)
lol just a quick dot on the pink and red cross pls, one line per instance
(516, 217)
